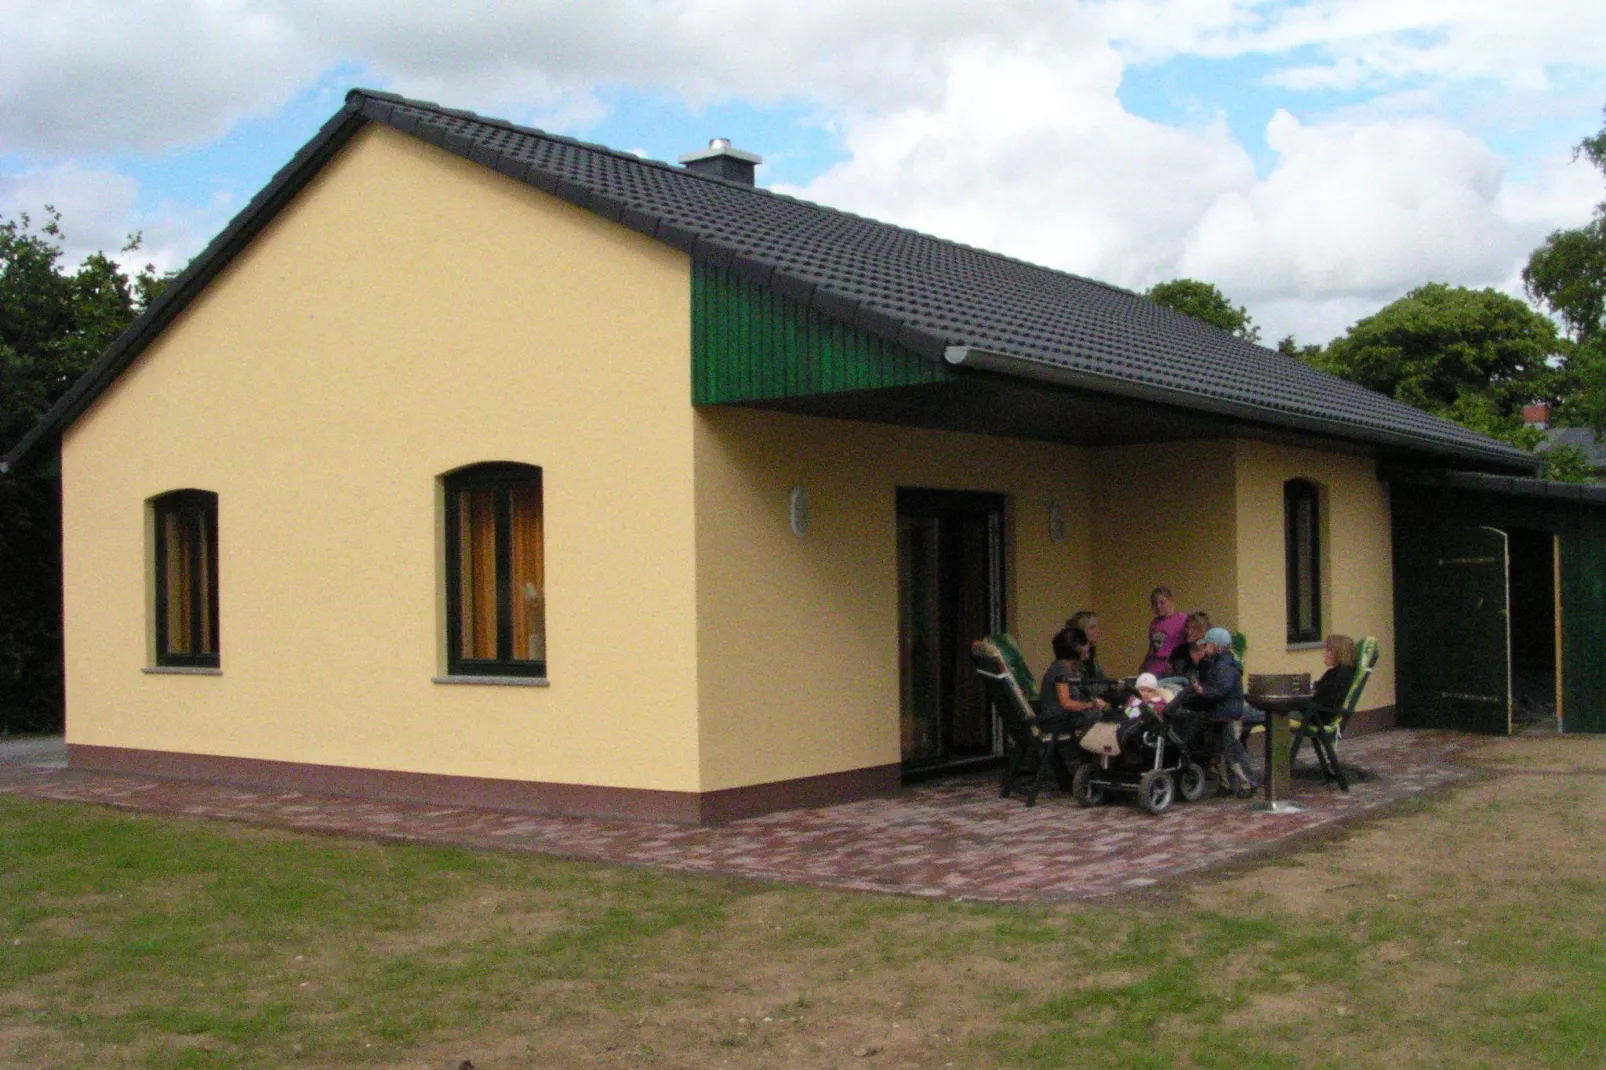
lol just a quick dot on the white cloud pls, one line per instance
(1033, 156)
(99, 213)
(997, 124)
(88, 76)
(1369, 42)
(106, 75)
(1357, 210)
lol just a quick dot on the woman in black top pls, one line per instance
(1186, 657)
(1093, 679)
(1064, 698)
(1333, 688)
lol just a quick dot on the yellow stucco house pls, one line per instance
(476, 464)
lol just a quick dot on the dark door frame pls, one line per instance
(926, 501)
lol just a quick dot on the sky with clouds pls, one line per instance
(1314, 158)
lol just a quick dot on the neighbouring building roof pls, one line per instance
(1583, 440)
(938, 298)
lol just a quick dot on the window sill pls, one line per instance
(181, 670)
(494, 681)
(1314, 645)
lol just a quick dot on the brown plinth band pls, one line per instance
(524, 796)
(1373, 720)
(733, 804)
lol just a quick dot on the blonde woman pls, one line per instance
(1333, 688)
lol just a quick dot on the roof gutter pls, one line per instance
(1059, 375)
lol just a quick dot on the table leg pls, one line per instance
(1278, 775)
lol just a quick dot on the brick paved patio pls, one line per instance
(945, 839)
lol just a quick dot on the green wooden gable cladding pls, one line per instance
(752, 344)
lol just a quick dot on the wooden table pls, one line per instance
(1278, 779)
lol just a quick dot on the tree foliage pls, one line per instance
(1203, 301)
(1568, 275)
(54, 322)
(1473, 356)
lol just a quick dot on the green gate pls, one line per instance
(1433, 520)
(1454, 634)
(1583, 633)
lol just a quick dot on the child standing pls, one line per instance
(1167, 631)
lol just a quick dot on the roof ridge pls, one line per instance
(908, 330)
(620, 154)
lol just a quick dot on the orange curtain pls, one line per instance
(177, 581)
(1305, 564)
(528, 572)
(476, 532)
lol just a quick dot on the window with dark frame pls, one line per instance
(495, 571)
(1302, 542)
(186, 579)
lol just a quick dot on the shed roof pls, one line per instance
(936, 297)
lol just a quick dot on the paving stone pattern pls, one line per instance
(950, 839)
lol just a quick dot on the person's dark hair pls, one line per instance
(1162, 589)
(1200, 616)
(1068, 644)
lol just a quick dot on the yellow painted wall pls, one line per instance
(798, 637)
(409, 313)
(1358, 577)
(1165, 514)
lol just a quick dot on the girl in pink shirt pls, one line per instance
(1167, 631)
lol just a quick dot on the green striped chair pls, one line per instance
(1324, 725)
(1010, 651)
(1026, 735)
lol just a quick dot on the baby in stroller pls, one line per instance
(1136, 750)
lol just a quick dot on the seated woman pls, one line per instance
(1093, 678)
(1339, 657)
(1064, 698)
(1189, 653)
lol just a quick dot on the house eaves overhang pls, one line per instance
(1505, 458)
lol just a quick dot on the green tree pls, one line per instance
(1566, 464)
(1203, 301)
(1310, 354)
(1567, 274)
(1472, 356)
(54, 322)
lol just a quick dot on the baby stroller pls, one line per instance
(1141, 754)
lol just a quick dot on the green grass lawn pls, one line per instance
(1465, 931)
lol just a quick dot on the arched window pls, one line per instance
(1302, 543)
(495, 571)
(186, 579)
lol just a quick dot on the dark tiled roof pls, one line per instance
(922, 292)
(925, 292)
(1591, 494)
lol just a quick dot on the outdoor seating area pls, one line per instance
(1124, 742)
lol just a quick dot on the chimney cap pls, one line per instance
(721, 146)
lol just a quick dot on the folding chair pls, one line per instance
(1026, 734)
(1324, 725)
